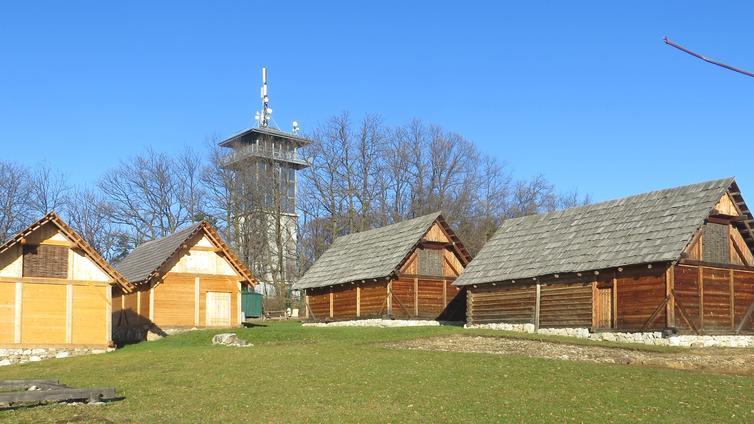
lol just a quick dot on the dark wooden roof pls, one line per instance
(373, 254)
(646, 228)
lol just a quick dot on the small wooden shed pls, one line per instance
(404, 270)
(185, 280)
(55, 289)
(679, 258)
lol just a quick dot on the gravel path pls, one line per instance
(719, 360)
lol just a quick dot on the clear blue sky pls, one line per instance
(583, 92)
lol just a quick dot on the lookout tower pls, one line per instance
(262, 164)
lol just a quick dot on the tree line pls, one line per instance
(363, 174)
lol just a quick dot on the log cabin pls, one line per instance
(55, 289)
(678, 260)
(404, 270)
(188, 279)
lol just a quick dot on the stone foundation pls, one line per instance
(375, 323)
(22, 355)
(650, 337)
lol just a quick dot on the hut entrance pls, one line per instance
(603, 307)
(218, 309)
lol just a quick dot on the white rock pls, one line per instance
(62, 354)
(34, 358)
(229, 339)
(5, 362)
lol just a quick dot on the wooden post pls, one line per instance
(151, 303)
(332, 297)
(109, 314)
(358, 301)
(537, 302)
(390, 298)
(595, 304)
(69, 313)
(732, 300)
(700, 284)
(196, 301)
(416, 296)
(239, 306)
(615, 300)
(306, 302)
(18, 312)
(669, 290)
(444, 293)
(138, 306)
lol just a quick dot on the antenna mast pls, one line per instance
(263, 117)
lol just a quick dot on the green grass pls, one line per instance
(296, 374)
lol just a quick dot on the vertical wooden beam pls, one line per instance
(306, 302)
(416, 296)
(444, 293)
(390, 298)
(700, 284)
(614, 302)
(239, 307)
(596, 307)
(732, 300)
(109, 314)
(138, 306)
(151, 303)
(197, 283)
(332, 296)
(537, 303)
(358, 301)
(18, 312)
(469, 305)
(669, 286)
(69, 313)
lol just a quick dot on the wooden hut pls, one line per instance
(679, 258)
(404, 270)
(188, 279)
(55, 289)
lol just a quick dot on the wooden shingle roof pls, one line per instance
(147, 261)
(371, 254)
(641, 229)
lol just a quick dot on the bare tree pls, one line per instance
(48, 191)
(90, 215)
(14, 198)
(152, 195)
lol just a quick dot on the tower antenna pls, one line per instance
(263, 117)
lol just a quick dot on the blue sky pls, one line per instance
(585, 93)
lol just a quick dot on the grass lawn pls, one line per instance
(297, 374)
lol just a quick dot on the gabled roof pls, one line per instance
(641, 229)
(377, 253)
(147, 261)
(78, 242)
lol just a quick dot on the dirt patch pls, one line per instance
(719, 360)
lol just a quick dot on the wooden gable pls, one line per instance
(436, 255)
(726, 207)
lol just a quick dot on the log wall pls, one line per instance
(410, 298)
(566, 305)
(489, 304)
(639, 293)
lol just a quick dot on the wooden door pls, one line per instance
(603, 304)
(218, 309)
